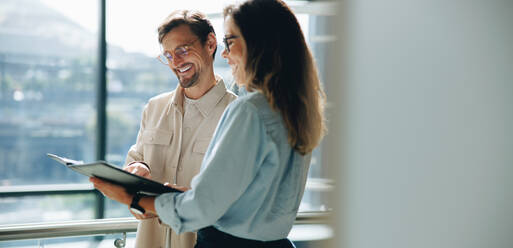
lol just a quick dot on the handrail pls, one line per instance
(104, 226)
(312, 217)
(67, 228)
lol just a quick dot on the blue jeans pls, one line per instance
(209, 237)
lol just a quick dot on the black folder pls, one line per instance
(111, 173)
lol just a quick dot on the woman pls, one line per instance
(253, 175)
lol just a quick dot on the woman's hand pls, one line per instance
(119, 194)
(112, 191)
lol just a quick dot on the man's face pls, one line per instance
(190, 59)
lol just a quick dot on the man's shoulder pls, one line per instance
(230, 96)
(161, 99)
(222, 95)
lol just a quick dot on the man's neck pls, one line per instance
(200, 89)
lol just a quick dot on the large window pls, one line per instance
(135, 75)
(47, 96)
(48, 56)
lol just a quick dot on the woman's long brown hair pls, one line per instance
(281, 66)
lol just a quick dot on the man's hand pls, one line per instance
(142, 216)
(174, 186)
(138, 169)
(142, 170)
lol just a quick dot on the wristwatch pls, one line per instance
(134, 206)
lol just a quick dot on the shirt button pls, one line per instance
(151, 138)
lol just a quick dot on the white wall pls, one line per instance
(423, 124)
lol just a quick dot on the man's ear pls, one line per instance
(211, 43)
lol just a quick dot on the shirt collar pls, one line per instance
(206, 103)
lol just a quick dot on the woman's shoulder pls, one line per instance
(253, 102)
(256, 104)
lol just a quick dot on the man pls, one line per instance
(177, 126)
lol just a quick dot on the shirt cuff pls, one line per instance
(166, 210)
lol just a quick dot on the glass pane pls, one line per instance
(134, 73)
(33, 209)
(47, 88)
(317, 32)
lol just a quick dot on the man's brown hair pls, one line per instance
(197, 22)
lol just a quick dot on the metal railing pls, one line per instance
(67, 229)
(99, 226)
(104, 226)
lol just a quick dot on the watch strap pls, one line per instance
(134, 206)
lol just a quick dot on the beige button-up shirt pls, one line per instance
(174, 152)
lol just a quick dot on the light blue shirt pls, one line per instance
(251, 180)
(238, 90)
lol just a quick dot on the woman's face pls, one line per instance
(235, 50)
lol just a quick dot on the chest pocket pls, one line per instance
(200, 146)
(156, 137)
(156, 150)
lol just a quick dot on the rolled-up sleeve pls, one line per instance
(230, 164)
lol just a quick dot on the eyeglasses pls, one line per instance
(226, 39)
(166, 58)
